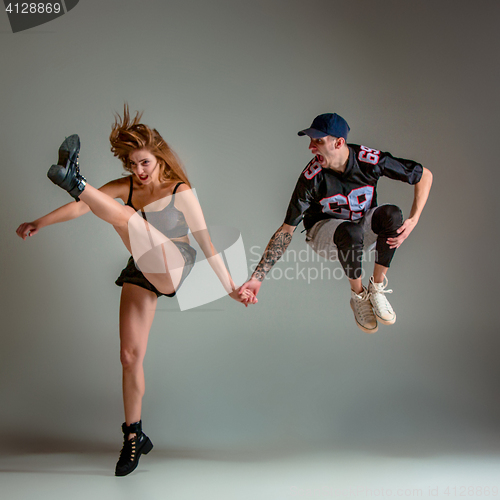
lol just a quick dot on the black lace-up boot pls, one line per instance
(66, 173)
(132, 448)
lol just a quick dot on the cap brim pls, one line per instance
(313, 133)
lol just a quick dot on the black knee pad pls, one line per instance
(348, 234)
(348, 238)
(386, 220)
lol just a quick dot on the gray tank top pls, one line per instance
(169, 221)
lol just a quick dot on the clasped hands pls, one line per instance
(247, 293)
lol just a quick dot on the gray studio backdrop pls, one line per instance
(229, 84)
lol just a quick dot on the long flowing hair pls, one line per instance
(128, 135)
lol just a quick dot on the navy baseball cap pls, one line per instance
(327, 124)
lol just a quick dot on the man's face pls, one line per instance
(325, 149)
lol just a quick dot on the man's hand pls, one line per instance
(422, 189)
(403, 233)
(27, 229)
(252, 286)
(245, 296)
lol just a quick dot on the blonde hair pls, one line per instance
(129, 134)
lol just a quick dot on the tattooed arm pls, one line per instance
(273, 252)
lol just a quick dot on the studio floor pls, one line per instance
(391, 472)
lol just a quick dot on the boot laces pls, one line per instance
(129, 450)
(76, 164)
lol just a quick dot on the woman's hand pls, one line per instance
(249, 290)
(244, 297)
(27, 229)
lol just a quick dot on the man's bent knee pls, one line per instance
(348, 234)
(387, 219)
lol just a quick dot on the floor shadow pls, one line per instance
(410, 447)
(26, 444)
(59, 472)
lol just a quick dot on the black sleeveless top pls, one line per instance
(169, 221)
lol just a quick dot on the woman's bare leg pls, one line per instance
(105, 207)
(165, 277)
(137, 311)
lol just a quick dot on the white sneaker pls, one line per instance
(381, 307)
(363, 312)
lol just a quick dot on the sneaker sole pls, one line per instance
(385, 321)
(361, 327)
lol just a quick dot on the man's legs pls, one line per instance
(386, 220)
(345, 241)
(349, 239)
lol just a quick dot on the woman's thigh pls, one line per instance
(156, 256)
(162, 266)
(137, 311)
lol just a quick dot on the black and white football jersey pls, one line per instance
(322, 193)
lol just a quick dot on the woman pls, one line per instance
(162, 256)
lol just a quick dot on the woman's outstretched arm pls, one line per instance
(188, 204)
(66, 212)
(71, 211)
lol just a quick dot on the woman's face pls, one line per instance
(144, 165)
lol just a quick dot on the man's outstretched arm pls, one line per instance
(273, 252)
(422, 189)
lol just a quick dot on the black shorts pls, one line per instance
(132, 275)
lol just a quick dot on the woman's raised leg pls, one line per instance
(105, 207)
(160, 256)
(161, 261)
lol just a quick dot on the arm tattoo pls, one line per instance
(274, 250)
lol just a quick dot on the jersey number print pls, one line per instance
(369, 155)
(312, 169)
(350, 207)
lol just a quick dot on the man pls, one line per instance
(336, 199)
